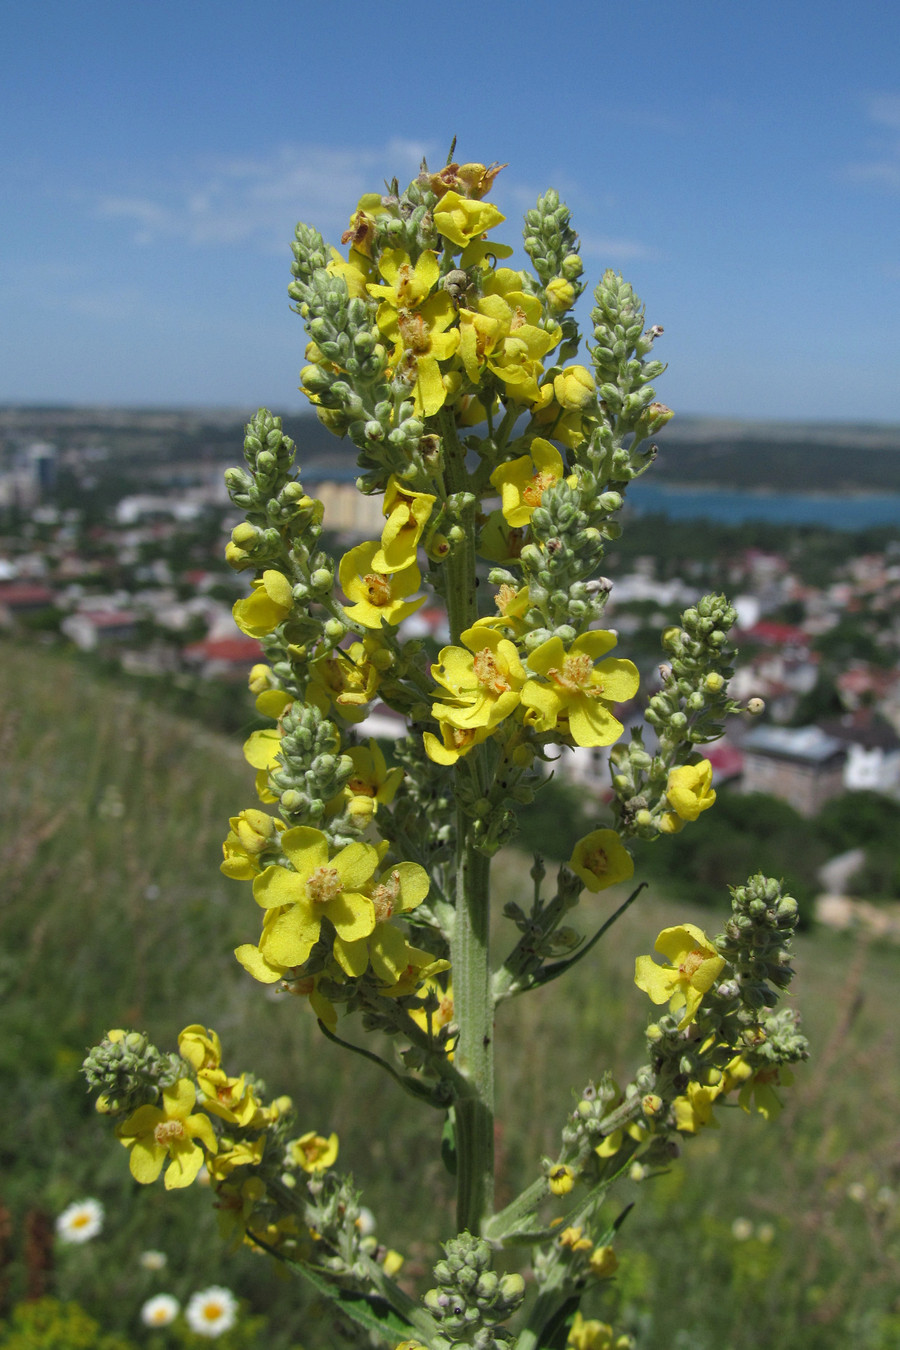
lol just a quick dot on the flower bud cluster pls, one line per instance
(333, 1213)
(734, 1037)
(347, 378)
(689, 710)
(312, 770)
(623, 374)
(756, 938)
(310, 253)
(569, 530)
(471, 1299)
(128, 1071)
(583, 1127)
(406, 221)
(552, 245)
(283, 525)
(268, 491)
(542, 937)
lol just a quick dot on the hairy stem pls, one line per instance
(470, 947)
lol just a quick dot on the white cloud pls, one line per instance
(618, 250)
(882, 169)
(885, 110)
(258, 199)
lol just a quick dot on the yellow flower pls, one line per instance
(499, 542)
(251, 833)
(593, 1335)
(408, 286)
(313, 1152)
(261, 751)
(392, 1263)
(574, 1237)
(416, 320)
(441, 1016)
(371, 783)
(502, 333)
(611, 1143)
(318, 887)
(570, 426)
(201, 1047)
(483, 683)
(346, 680)
(407, 515)
(561, 1179)
(574, 388)
(470, 180)
(461, 219)
(356, 272)
(242, 1153)
(577, 693)
(757, 1086)
(155, 1133)
(561, 295)
(227, 1097)
(378, 598)
(694, 1109)
(689, 789)
(600, 860)
(523, 481)
(397, 892)
(421, 971)
(361, 232)
(267, 607)
(260, 678)
(694, 966)
(603, 1262)
(455, 742)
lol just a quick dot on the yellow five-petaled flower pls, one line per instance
(694, 966)
(316, 887)
(483, 684)
(155, 1133)
(576, 695)
(379, 597)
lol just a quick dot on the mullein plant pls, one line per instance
(503, 466)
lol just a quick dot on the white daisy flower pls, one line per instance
(80, 1222)
(160, 1311)
(212, 1311)
(153, 1260)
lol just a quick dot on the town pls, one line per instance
(112, 536)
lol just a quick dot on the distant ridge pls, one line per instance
(829, 457)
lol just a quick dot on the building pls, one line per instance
(800, 765)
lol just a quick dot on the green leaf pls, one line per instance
(553, 972)
(448, 1144)
(367, 1310)
(555, 1334)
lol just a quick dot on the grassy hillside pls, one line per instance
(115, 913)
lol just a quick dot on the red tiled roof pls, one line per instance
(22, 594)
(237, 649)
(778, 634)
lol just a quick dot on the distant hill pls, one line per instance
(718, 452)
(788, 456)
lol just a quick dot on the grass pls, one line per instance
(115, 914)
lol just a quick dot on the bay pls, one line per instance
(839, 512)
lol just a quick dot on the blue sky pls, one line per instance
(740, 164)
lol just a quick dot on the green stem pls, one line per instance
(474, 1052)
(470, 946)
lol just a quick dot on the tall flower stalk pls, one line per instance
(503, 465)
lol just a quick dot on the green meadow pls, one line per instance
(114, 913)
